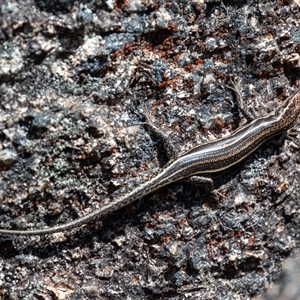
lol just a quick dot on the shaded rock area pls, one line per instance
(75, 77)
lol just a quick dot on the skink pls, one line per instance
(204, 159)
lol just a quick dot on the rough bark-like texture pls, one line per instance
(74, 78)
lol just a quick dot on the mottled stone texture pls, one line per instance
(74, 78)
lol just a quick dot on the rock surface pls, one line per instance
(74, 78)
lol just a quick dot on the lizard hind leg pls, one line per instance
(248, 113)
(205, 182)
(257, 109)
(169, 147)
